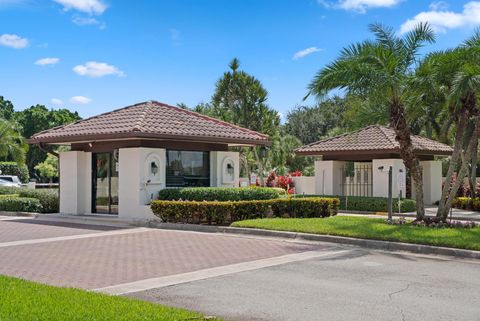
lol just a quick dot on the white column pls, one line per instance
(432, 181)
(224, 169)
(74, 182)
(328, 177)
(137, 184)
(380, 178)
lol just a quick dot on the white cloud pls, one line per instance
(88, 21)
(441, 19)
(359, 6)
(13, 41)
(47, 61)
(305, 52)
(82, 100)
(57, 101)
(96, 7)
(97, 69)
(438, 5)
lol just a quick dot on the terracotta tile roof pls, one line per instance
(374, 138)
(151, 120)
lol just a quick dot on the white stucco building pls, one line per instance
(120, 160)
(357, 164)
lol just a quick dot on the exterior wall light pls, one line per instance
(154, 168)
(263, 151)
(230, 168)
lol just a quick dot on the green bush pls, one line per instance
(467, 203)
(227, 212)
(13, 203)
(371, 204)
(12, 168)
(47, 197)
(220, 193)
(8, 190)
(305, 207)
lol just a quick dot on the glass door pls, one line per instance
(104, 183)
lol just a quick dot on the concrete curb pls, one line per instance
(372, 244)
(8, 213)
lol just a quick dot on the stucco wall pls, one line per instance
(304, 184)
(380, 178)
(75, 180)
(219, 176)
(137, 185)
(432, 181)
(328, 177)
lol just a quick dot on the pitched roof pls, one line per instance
(373, 138)
(151, 120)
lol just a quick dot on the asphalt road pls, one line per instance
(356, 285)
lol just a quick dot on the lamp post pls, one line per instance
(390, 181)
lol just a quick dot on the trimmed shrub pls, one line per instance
(467, 203)
(370, 204)
(13, 203)
(220, 193)
(7, 190)
(47, 197)
(305, 207)
(227, 212)
(12, 168)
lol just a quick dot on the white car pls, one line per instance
(9, 180)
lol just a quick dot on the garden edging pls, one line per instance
(367, 243)
(9, 213)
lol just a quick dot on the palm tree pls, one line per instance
(461, 67)
(379, 70)
(12, 143)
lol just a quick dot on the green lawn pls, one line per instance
(25, 300)
(372, 228)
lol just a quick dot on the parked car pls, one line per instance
(9, 180)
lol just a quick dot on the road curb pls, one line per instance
(372, 244)
(23, 214)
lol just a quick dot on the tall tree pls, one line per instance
(459, 69)
(38, 118)
(380, 70)
(310, 124)
(241, 99)
(6, 109)
(12, 144)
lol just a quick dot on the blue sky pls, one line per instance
(96, 55)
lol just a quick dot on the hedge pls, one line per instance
(227, 212)
(371, 204)
(47, 197)
(13, 203)
(467, 203)
(220, 193)
(12, 168)
(8, 190)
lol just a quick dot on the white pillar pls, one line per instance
(74, 178)
(432, 181)
(224, 169)
(328, 177)
(137, 184)
(380, 178)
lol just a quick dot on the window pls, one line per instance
(186, 168)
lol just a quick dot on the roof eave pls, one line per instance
(139, 135)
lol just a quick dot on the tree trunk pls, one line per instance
(457, 150)
(399, 123)
(466, 159)
(260, 166)
(472, 179)
(469, 109)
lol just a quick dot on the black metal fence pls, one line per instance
(357, 179)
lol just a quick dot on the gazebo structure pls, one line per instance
(355, 164)
(118, 161)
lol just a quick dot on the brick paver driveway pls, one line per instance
(91, 257)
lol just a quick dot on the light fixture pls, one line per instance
(263, 151)
(229, 168)
(154, 168)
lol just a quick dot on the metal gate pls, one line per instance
(357, 179)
